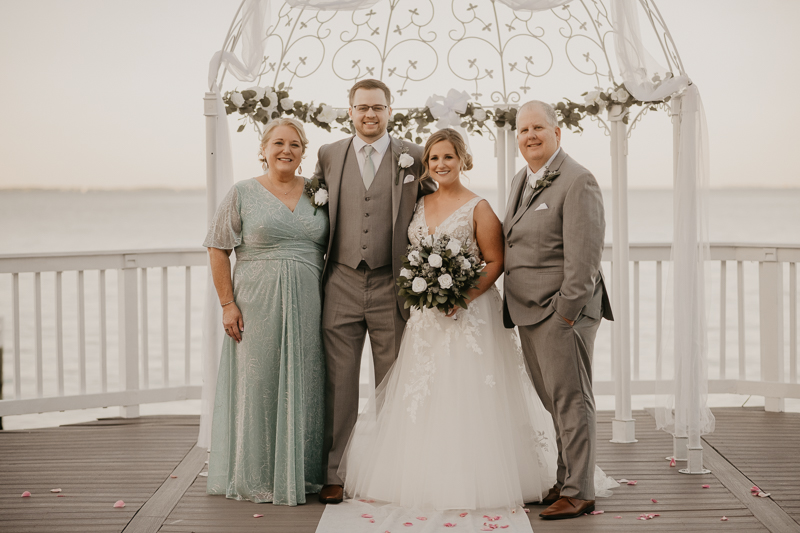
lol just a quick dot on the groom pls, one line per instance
(373, 192)
(554, 292)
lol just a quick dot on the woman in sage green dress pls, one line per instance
(267, 430)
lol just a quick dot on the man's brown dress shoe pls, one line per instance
(552, 496)
(567, 507)
(332, 494)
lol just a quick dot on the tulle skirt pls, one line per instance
(456, 423)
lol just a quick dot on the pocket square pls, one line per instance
(408, 179)
(541, 207)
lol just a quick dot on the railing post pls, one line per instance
(127, 293)
(770, 303)
(623, 426)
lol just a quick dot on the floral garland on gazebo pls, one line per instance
(259, 105)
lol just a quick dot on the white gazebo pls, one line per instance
(485, 56)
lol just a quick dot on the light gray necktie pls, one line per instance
(526, 195)
(369, 167)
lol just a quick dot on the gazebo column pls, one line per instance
(500, 154)
(623, 425)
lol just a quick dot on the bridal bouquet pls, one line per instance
(438, 272)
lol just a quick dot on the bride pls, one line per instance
(456, 423)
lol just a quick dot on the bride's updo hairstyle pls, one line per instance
(447, 134)
(284, 121)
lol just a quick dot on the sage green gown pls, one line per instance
(267, 430)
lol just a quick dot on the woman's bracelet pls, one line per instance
(229, 303)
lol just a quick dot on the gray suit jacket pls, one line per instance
(330, 164)
(552, 253)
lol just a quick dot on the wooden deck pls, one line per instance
(95, 464)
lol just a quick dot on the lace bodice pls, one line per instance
(458, 224)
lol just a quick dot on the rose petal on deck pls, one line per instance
(119, 504)
(724, 519)
(618, 516)
(26, 494)
(527, 510)
(672, 461)
(462, 515)
(174, 477)
(421, 518)
(597, 512)
(706, 486)
(653, 500)
(365, 515)
(632, 482)
(408, 524)
(258, 516)
(447, 524)
(61, 496)
(55, 490)
(371, 520)
(763, 494)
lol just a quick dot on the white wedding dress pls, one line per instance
(456, 425)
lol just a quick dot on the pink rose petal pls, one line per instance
(174, 477)
(672, 461)
(632, 482)
(462, 515)
(527, 510)
(258, 516)
(26, 494)
(421, 518)
(504, 527)
(706, 486)
(119, 504)
(597, 512)
(371, 520)
(55, 490)
(754, 489)
(653, 500)
(724, 519)
(448, 524)
(61, 496)
(408, 524)
(365, 515)
(618, 516)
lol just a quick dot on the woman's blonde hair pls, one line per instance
(283, 121)
(451, 135)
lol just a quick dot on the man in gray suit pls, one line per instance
(373, 187)
(554, 292)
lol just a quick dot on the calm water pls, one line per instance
(54, 221)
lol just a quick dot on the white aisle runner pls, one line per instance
(355, 516)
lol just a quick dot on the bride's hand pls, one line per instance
(452, 312)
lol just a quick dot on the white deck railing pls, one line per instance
(66, 354)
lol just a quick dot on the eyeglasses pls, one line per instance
(365, 108)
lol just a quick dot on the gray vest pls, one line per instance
(364, 221)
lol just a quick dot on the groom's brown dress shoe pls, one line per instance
(567, 507)
(331, 494)
(552, 496)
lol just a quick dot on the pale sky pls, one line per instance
(101, 94)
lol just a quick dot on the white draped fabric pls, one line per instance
(682, 410)
(682, 379)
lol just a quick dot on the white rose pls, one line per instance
(259, 91)
(342, 113)
(405, 161)
(620, 95)
(321, 197)
(406, 273)
(591, 97)
(454, 246)
(445, 281)
(419, 285)
(435, 260)
(465, 264)
(273, 99)
(479, 114)
(414, 258)
(327, 115)
(428, 241)
(237, 99)
(286, 104)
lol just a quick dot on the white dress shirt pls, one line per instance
(533, 176)
(379, 146)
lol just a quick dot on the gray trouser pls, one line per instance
(356, 301)
(560, 360)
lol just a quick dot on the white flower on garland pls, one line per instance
(287, 104)
(237, 99)
(260, 91)
(593, 98)
(328, 114)
(419, 285)
(620, 95)
(414, 258)
(454, 246)
(272, 96)
(435, 260)
(445, 281)
(479, 115)
(406, 273)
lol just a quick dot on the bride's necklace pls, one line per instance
(287, 192)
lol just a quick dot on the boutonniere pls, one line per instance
(546, 180)
(403, 161)
(317, 191)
